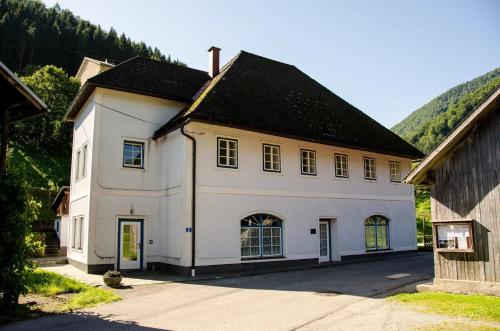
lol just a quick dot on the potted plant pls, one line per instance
(112, 278)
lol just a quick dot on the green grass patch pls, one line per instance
(458, 326)
(47, 283)
(478, 307)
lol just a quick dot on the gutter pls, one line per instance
(193, 203)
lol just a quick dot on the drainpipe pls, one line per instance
(193, 203)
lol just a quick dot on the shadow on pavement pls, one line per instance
(77, 321)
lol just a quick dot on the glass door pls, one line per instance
(324, 241)
(130, 244)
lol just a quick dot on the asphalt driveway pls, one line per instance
(338, 297)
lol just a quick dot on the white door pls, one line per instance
(130, 244)
(324, 241)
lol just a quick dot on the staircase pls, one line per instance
(51, 243)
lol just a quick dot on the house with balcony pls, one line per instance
(250, 165)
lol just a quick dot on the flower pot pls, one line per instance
(112, 281)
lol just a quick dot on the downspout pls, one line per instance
(193, 203)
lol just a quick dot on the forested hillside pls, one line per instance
(45, 46)
(426, 126)
(32, 34)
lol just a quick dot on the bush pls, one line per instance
(35, 243)
(17, 211)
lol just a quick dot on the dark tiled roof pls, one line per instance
(155, 78)
(259, 94)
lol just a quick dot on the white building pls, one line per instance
(255, 165)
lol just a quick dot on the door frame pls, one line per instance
(329, 223)
(130, 219)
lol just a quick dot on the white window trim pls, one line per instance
(308, 174)
(264, 144)
(217, 159)
(335, 165)
(144, 156)
(81, 224)
(391, 162)
(78, 156)
(375, 168)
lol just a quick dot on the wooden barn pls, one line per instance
(463, 172)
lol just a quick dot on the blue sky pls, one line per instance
(386, 57)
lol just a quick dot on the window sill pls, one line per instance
(265, 258)
(372, 251)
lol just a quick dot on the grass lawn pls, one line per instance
(478, 307)
(50, 284)
(458, 326)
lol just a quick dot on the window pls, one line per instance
(84, 162)
(376, 233)
(227, 153)
(271, 158)
(81, 162)
(261, 236)
(77, 165)
(133, 154)
(341, 165)
(308, 161)
(77, 233)
(395, 171)
(370, 171)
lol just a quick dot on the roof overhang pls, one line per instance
(59, 197)
(420, 173)
(17, 98)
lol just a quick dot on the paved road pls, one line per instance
(339, 297)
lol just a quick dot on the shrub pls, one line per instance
(35, 243)
(17, 211)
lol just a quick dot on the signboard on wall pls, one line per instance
(454, 236)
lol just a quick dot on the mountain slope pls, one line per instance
(412, 124)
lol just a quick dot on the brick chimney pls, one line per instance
(213, 61)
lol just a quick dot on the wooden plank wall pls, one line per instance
(467, 187)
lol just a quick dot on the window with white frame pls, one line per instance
(84, 160)
(341, 165)
(77, 233)
(370, 169)
(395, 171)
(308, 162)
(77, 164)
(133, 154)
(271, 158)
(227, 153)
(261, 236)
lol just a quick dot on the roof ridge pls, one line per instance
(266, 58)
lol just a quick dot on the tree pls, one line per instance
(49, 131)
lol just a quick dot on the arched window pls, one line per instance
(261, 236)
(377, 233)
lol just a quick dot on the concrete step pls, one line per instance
(49, 260)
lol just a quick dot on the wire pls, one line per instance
(119, 112)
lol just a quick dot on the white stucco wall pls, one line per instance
(225, 196)
(152, 194)
(160, 194)
(83, 133)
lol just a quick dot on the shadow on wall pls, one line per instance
(77, 321)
